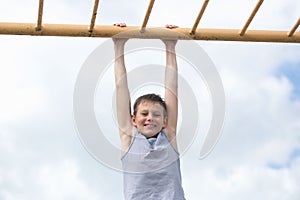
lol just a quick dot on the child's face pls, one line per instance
(149, 119)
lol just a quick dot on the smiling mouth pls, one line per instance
(149, 125)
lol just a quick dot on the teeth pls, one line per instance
(149, 125)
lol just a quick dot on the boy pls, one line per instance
(148, 137)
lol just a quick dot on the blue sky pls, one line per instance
(286, 164)
(42, 157)
(291, 71)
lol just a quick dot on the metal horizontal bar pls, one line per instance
(134, 32)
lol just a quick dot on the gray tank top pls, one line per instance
(152, 170)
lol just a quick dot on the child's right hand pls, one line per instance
(171, 26)
(120, 24)
(119, 41)
(170, 42)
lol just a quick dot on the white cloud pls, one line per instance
(41, 156)
(19, 11)
(62, 181)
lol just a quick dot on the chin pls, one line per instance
(150, 134)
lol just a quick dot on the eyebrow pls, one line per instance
(154, 111)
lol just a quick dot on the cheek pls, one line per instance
(160, 121)
(140, 120)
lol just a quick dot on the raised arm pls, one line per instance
(171, 88)
(122, 95)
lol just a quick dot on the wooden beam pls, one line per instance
(40, 15)
(196, 23)
(292, 31)
(151, 33)
(146, 18)
(243, 31)
(94, 15)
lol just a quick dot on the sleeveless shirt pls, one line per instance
(152, 169)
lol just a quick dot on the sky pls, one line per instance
(256, 157)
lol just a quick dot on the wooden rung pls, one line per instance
(193, 30)
(94, 15)
(40, 15)
(293, 30)
(72, 30)
(243, 31)
(146, 18)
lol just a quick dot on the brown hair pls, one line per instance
(150, 97)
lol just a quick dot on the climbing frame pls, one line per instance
(195, 33)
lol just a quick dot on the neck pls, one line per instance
(154, 136)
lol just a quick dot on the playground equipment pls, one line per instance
(195, 33)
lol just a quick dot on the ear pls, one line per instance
(133, 120)
(165, 123)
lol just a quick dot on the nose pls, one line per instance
(149, 117)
